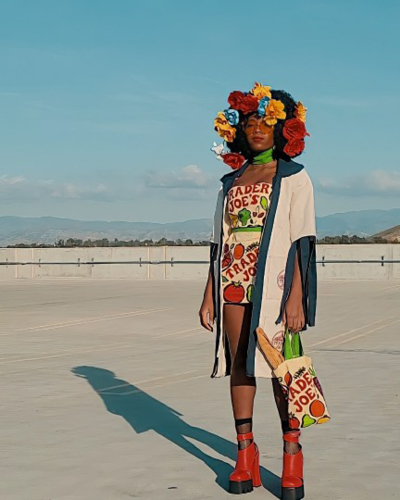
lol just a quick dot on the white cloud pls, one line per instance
(189, 177)
(20, 189)
(375, 183)
(187, 183)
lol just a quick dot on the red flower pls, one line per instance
(235, 98)
(294, 129)
(234, 160)
(294, 147)
(242, 102)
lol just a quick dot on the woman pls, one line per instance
(262, 263)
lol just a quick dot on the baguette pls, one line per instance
(272, 355)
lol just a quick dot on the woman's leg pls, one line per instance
(282, 406)
(243, 388)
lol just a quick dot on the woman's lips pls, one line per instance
(258, 139)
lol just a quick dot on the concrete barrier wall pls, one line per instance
(78, 257)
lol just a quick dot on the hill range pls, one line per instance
(48, 230)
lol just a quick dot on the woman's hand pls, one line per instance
(206, 313)
(293, 315)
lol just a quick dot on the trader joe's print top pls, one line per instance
(246, 211)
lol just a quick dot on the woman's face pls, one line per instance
(260, 135)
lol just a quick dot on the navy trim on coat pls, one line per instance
(304, 249)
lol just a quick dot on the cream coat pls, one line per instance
(289, 226)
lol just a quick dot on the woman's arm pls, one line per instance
(293, 314)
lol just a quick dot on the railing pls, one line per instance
(173, 262)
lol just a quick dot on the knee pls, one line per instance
(239, 361)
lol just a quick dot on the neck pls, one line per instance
(263, 157)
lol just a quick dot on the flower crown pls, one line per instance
(259, 100)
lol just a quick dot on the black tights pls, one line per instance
(243, 388)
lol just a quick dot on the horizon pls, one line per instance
(178, 221)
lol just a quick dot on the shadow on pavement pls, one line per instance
(143, 413)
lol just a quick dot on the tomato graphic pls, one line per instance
(294, 423)
(234, 292)
(238, 251)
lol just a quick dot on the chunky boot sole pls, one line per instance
(293, 493)
(247, 469)
(238, 488)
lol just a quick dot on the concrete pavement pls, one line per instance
(106, 394)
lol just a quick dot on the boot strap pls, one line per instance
(292, 436)
(244, 437)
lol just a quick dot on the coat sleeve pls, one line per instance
(303, 238)
(216, 226)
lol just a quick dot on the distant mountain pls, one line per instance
(392, 234)
(51, 229)
(362, 223)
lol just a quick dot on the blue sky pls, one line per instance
(107, 107)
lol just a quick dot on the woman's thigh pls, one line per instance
(237, 327)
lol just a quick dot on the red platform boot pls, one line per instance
(292, 474)
(247, 470)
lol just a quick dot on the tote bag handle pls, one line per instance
(292, 346)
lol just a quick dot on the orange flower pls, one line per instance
(223, 128)
(301, 112)
(261, 91)
(274, 112)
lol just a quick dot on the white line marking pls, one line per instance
(84, 321)
(166, 383)
(177, 333)
(393, 287)
(85, 350)
(366, 333)
(148, 381)
(348, 332)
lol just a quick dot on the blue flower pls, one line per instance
(261, 105)
(232, 116)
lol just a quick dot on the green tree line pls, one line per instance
(105, 242)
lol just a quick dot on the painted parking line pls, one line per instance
(348, 332)
(393, 287)
(66, 324)
(152, 380)
(68, 352)
(366, 333)
(171, 334)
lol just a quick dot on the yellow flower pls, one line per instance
(301, 112)
(223, 127)
(274, 112)
(261, 91)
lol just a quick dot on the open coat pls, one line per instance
(289, 230)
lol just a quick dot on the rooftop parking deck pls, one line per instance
(106, 394)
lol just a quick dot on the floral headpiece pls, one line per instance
(259, 100)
